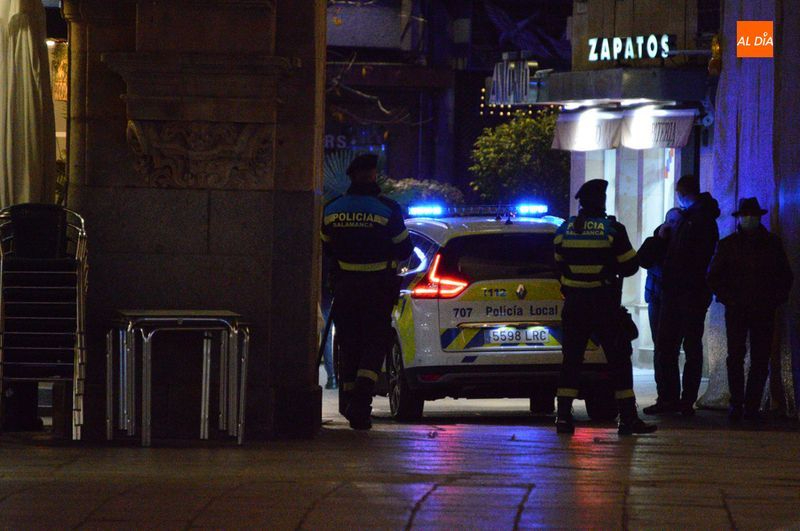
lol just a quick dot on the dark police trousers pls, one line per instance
(759, 323)
(362, 313)
(679, 323)
(594, 313)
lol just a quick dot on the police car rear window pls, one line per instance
(500, 256)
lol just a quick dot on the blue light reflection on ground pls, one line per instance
(533, 463)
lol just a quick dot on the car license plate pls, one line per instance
(534, 335)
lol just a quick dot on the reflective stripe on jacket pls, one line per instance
(594, 255)
(364, 231)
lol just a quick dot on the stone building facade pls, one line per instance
(756, 153)
(195, 149)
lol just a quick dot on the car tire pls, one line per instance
(403, 403)
(601, 406)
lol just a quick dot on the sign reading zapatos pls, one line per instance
(631, 48)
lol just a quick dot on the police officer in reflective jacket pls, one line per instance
(593, 253)
(365, 235)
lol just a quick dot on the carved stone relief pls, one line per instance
(206, 155)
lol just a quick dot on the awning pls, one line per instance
(587, 130)
(642, 127)
(648, 127)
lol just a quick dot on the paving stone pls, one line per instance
(579, 515)
(357, 520)
(468, 472)
(454, 520)
(765, 515)
(174, 506)
(673, 517)
(707, 495)
(44, 522)
(121, 525)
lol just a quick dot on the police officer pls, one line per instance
(364, 233)
(593, 253)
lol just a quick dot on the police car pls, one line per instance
(479, 313)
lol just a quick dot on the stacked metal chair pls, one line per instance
(43, 290)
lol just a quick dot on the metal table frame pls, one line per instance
(233, 368)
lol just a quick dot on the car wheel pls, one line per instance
(403, 404)
(601, 405)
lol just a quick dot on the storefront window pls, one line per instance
(610, 175)
(657, 180)
(602, 164)
(670, 155)
(657, 196)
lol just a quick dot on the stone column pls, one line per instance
(298, 188)
(98, 162)
(202, 150)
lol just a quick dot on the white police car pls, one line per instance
(479, 313)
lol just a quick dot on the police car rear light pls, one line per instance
(430, 377)
(434, 286)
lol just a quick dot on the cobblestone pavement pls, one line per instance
(471, 469)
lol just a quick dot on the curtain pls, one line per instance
(27, 126)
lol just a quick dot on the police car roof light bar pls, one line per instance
(528, 209)
(497, 211)
(425, 211)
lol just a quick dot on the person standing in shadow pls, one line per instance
(686, 298)
(651, 257)
(751, 276)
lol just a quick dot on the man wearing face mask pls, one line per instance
(686, 298)
(751, 276)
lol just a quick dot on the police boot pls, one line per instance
(629, 421)
(358, 413)
(360, 408)
(564, 422)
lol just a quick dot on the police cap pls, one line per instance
(361, 163)
(592, 190)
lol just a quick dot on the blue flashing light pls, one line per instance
(425, 211)
(531, 209)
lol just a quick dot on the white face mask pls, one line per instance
(749, 223)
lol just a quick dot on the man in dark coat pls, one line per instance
(751, 276)
(686, 298)
(651, 257)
